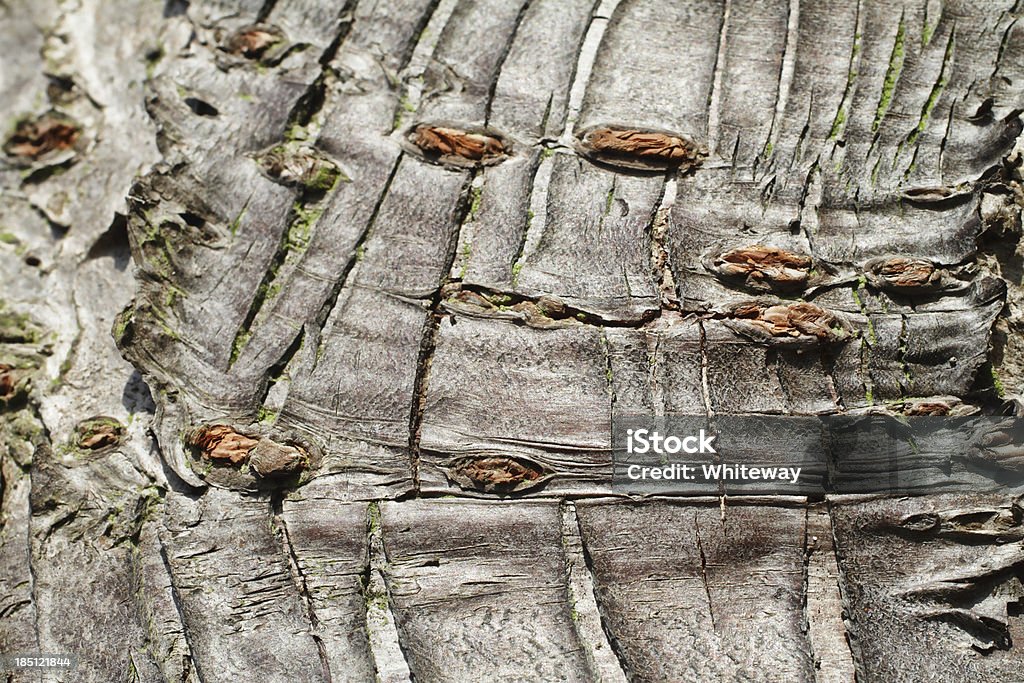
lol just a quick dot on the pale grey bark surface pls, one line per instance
(215, 221)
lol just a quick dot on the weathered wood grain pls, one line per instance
(679, 587)
(238, 598)
(933, 587)
(479, 591)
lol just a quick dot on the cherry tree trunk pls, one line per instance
(315, 318)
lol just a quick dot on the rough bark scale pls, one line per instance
(235, 199)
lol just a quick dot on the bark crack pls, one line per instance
(704, 572)
(387, 648)
(428, 341)
(786, 70)
(185, 631)
(585, 58)
(715, 95)
(339, 284)
(299, 578)
(506, 49)
(604, 653)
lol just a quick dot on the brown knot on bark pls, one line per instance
(253, 42)
(643, 149)
(272, 460)
(497, 474)
(34, 138)
(763, 268)
(787, 324)
(220, 443)
(904, 274)
(99, 432)
(459, 146)
(301, 166)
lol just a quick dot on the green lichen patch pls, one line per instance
(17, 328)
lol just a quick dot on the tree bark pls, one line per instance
(315, 318)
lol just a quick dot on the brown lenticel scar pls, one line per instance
(455, 142)
(660, 147)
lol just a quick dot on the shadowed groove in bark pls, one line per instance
(540, 177)
(704, 570)
(609, 637)
(299, 579)
(308, 205)
(803, 591)
(312, 102)
(851, 625)
(586, 615)
(181, 616)
(823, 609)
(332, 298)
(387, 647)
(268, 7)
(524, 8)
(415, 62)
(852, 70)
(585, 58)
(715, 95)
(786, 68)
(661, 257)
(428, 341)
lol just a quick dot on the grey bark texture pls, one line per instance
(315, 315)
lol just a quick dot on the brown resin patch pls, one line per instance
(99, 432)
(499, 474)
(48, 133)
(787, 323)
(455, 143)
(764, 268)
(253, 42)
(639, 148)
(904, 274)
(220, 443)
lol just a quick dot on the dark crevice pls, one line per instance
(536, 162)
(276, 508)
(804, 582)
(428, 341)
(506, 49)
(859, 668)
(704, 572)
(176, 599)
(376, 560)
(616, 646)
(312, 101)
(175, 8)
(201, 107)
(295, 237)
(418, 30)
(575, 68)
(265, 11)
(339, 284)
